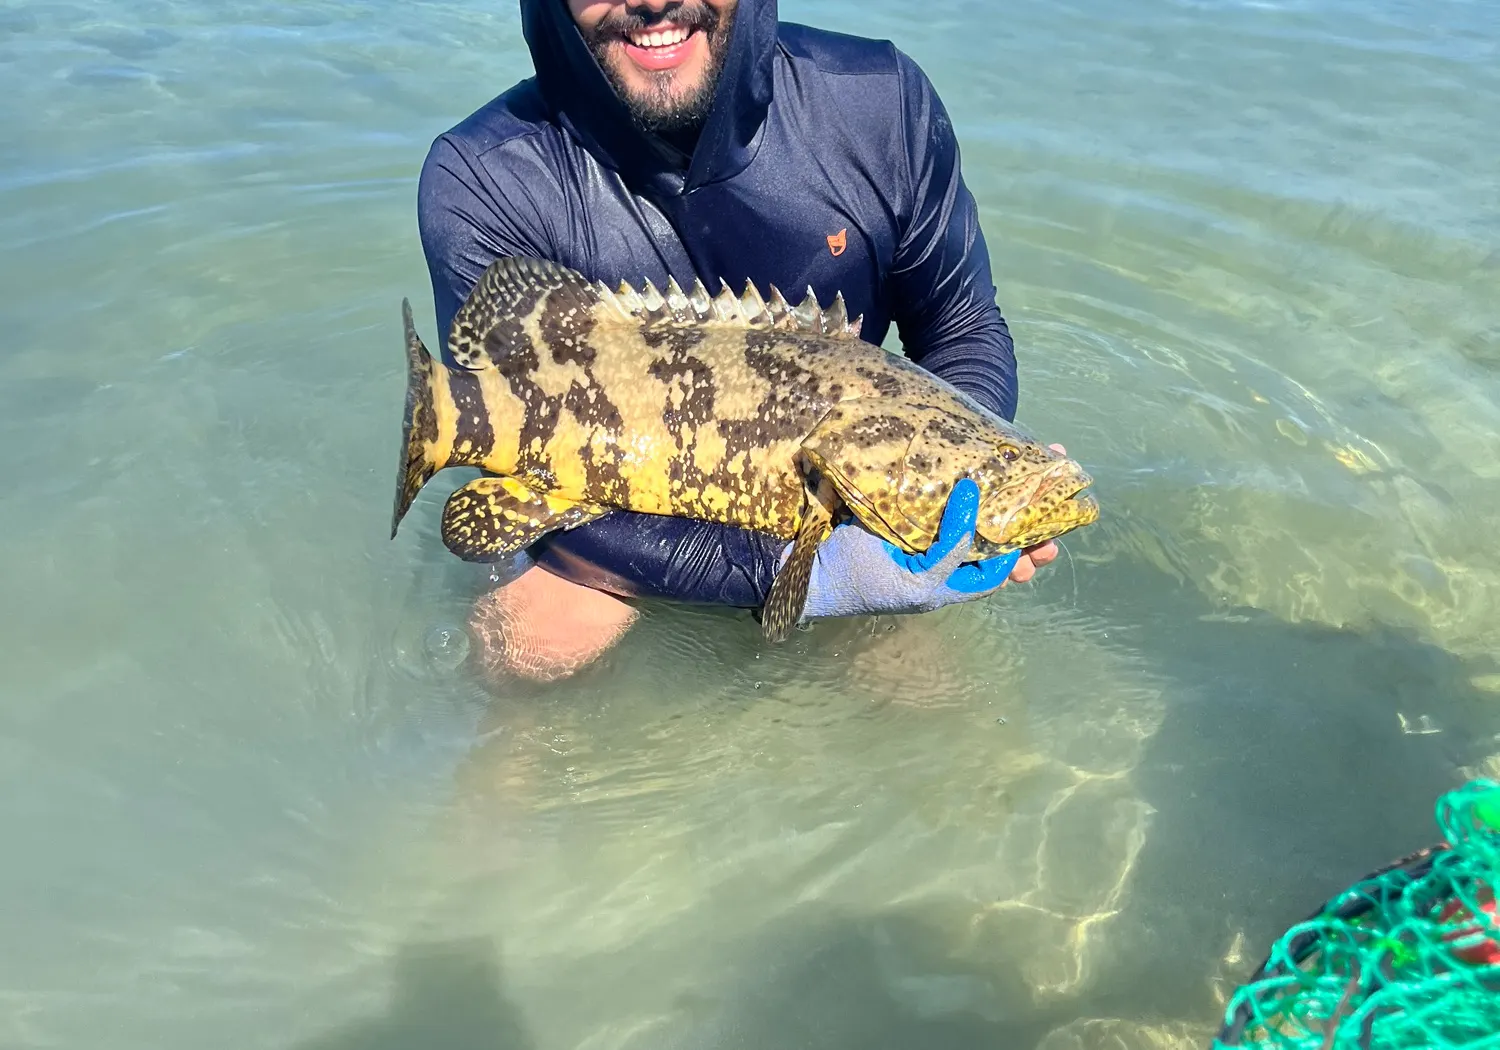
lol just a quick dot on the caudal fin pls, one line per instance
(422, 454)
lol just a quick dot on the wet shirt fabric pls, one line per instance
(827, 161)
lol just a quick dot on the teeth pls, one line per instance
(659, 38)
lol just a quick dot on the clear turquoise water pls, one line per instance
(249, 799)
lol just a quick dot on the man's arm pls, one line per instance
(944, 305)
(467, 221)
(943, 293)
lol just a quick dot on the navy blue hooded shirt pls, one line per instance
(826, 160)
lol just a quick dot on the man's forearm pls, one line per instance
(944, 295)
(982, 364)
(950, 322)
(650, 555)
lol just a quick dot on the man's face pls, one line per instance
(662, 56)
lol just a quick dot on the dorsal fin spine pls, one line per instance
(750, 309)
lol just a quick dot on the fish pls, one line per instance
(576, 400)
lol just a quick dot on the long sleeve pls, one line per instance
(942, 291)
(466, 221)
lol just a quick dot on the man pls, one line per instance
(707, 139)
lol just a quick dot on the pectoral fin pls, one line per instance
(861, 449)
(856, 458)
(494, 517)
(789, 590)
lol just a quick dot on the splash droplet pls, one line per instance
(447, 647)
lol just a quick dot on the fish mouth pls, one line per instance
(1058, 504)
(1065, 483)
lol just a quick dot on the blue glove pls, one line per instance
(856, 573)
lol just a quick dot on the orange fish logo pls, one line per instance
(837, 242)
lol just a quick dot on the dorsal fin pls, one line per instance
(485, 328)
(747, 310)
(491, 324)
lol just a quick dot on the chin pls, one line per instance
(649, 86)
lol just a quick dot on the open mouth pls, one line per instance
(661, 48)
(1058, 504)
(1073, 505)
(1064, 484)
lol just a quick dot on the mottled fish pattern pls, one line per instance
(577, 400)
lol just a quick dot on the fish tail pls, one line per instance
(424, 452)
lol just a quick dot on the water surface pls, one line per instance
(1249, 255)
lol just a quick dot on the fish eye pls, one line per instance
(1009, 453)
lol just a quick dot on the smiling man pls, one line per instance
(665, 66)
(707, 139)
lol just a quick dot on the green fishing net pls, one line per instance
(1407, 957)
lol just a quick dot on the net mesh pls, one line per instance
(1407, 957)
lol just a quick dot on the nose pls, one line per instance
(656, 7)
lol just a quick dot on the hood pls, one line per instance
(585, 103)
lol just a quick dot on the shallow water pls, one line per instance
(1249, 254)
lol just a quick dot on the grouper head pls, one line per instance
(1028, 493)
(896, 469)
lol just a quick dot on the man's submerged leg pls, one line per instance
(543, 627)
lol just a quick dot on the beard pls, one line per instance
(663, 107)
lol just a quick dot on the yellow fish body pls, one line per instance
(578, 400)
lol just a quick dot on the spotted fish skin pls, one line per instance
(580, 400)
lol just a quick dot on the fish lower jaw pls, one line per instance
(1032, 524)
(1073, 513)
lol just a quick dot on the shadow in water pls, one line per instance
(1280, 773)
(822, 978)
(444, 996)
(1283, 771)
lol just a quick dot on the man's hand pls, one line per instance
(545, 628)
(857, 573)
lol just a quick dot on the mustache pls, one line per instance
(636, 20)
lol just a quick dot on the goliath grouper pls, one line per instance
(578, 400)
